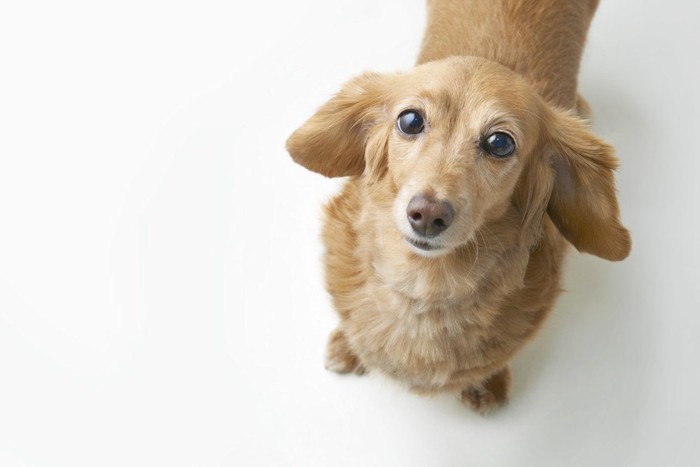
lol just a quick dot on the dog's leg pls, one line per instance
(583, 109)
(489, 394)
(339, 357)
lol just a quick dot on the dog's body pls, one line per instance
(447, 308)
(541, 40)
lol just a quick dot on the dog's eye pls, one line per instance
(499, 144)
(410, 122)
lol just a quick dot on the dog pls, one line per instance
(469, 176)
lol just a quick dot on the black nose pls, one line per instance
(429, 217)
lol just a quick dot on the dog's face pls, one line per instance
(457, 143)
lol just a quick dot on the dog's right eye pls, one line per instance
(410, 122)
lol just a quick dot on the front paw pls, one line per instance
(340, 358)
(489, 394)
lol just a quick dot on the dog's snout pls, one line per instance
(429, 217)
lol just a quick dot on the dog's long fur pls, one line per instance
(452, 319)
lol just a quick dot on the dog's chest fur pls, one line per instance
(431, 324)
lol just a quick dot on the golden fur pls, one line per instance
(452, 319)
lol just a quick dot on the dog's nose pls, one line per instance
(429, 217)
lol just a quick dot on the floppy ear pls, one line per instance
(583, 204)
(332, 142)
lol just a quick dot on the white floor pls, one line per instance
(161, 299)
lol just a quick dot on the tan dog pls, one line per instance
(468, 175)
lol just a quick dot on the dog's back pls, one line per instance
(542, 40)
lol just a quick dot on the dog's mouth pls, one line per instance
(422, 244)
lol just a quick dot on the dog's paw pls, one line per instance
(481, 399)
(489, 395)
(339, 357)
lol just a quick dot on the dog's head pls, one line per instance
(457, 143)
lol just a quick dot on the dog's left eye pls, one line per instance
(410, 122)
(499, 144)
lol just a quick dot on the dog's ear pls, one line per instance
(333, 141)
(583, 204)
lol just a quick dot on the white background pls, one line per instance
(161, 298)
